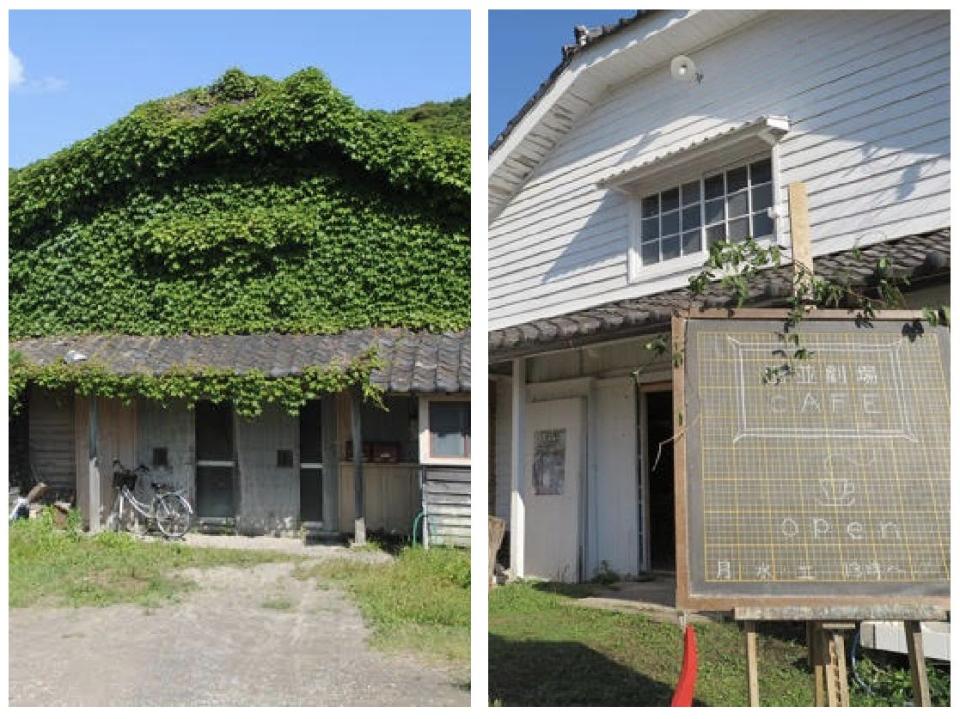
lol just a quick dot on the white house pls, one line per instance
(603, 194)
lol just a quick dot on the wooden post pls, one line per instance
(93, 469)
(918, 665)
(518, 413)
(753, 684)
(800, 231)
(816, 665)
(356, 428)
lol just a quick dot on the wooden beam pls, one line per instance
(753, 683)
(802, 252)
(518, 418)
(356, 432)
(93, 464)
(918, 666)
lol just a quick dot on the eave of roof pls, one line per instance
(923, 257)
(412, 361)
(567, 55)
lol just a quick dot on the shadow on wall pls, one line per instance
(538, 673)
(601, 238)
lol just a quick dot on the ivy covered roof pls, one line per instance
(249, 206)
(407, 361)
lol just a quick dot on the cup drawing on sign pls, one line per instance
(839, 491)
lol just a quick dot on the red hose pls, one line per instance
(683, 694)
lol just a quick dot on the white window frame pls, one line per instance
(639, 272)
(426, 457)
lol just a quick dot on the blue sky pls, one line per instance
(82, 70)
(524, 48)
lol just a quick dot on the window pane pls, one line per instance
(715, 234)
(650, 252)
(713, 211)
(739, 229)
(651, 205)
(691, 217)
(449, 429)
(762, 224)
(762, 197)
(671, 247)
(736, 179)
(760, 172)
(691, 192)
(669, 200)
(737, 204)
(670, 223)
(691, 242)
(713, 186)
(651, 228)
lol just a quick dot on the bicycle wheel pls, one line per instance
(173, 515)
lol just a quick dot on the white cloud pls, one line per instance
(16, 70)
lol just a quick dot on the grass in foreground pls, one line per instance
(547, 650)
(68, 567)
(419, 603)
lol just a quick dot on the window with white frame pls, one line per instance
(445, 429)
(687, 218)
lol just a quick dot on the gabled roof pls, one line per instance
(918, 257)
(412, 361)
(606, 58)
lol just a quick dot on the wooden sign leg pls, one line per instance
(841, 667)
(918, 664)
(753, 684)
(815, 657)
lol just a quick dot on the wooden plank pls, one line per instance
(800, 232)
(679, 330)
(816, 665)
(834, 611)
(918, 666)
(753, 684)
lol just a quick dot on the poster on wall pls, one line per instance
(549, 457)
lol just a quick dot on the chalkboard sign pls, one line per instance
(829, 483)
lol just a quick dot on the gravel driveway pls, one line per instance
(245, 637)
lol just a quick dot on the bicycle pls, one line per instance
(168, 509)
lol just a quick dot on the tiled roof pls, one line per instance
(413, 361)
(585, 37)
(925, 256)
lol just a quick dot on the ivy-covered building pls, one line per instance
(260, 292)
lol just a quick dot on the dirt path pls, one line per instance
(246, 637)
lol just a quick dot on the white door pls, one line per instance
(553, 475)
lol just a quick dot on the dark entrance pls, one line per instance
(215, 460)
(311, 463)
(660, 480)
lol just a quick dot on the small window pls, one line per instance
(284, 457)
(686, 219)
(159, 458)
(450, 430)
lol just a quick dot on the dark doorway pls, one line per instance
(311, 462)
(660, 474)
(215, 461)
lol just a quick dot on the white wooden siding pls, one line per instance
(867, 94)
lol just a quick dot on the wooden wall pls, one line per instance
(50, 418)
(867, 94)
(269, 498)
(446, 505)
(391, 497)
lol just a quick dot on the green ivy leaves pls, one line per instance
(247, 392)
(250, 206)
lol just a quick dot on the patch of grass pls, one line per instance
(278, 604)
(420, 602)
(56, 566)
(545, 649)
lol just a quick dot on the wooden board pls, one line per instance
(828, 487)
